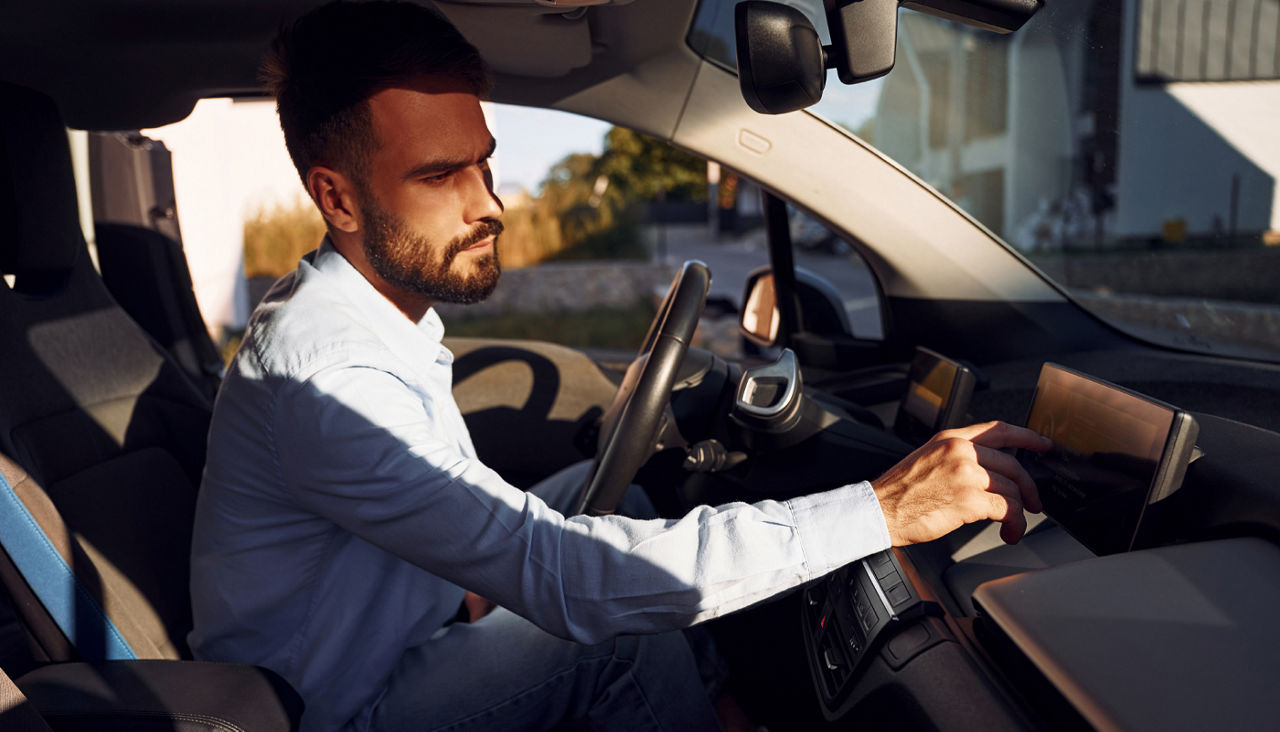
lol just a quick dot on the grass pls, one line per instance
(275, 238)
(619, 328)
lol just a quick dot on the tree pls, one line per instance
(598, 199)
(643, 167)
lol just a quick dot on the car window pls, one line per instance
(597, 218)
(831, 257)
(1127, 150)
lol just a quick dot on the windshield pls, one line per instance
(1127, 149)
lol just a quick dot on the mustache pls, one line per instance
(483, 229)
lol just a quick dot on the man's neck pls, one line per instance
(411, 304)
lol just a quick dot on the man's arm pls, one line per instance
(358, 446)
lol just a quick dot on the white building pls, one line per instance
(1049, 135)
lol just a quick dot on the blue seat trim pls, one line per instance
(71, 606)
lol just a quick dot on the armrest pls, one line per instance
(162, 695)
(1176, 637)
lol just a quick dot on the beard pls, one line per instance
(412, 261)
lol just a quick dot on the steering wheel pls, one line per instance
(631, 423)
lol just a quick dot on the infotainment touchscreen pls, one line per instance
(937, 398)
(1114, 452)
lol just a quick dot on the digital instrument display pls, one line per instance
(937, 398)
(1114, 452)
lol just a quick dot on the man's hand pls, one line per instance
(959, 477)
(477, 607)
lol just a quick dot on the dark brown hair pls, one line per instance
(323, 67)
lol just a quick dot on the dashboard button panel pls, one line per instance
(850, 614)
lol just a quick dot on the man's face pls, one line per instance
(430, 218)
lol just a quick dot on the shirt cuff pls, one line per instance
(838, 527)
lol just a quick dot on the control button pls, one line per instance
(873, 615)
(898, 595)
(884, 570)
(832, 664)
(865, 615)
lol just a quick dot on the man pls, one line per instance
(344, 516)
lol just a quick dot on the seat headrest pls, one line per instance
(39, 218)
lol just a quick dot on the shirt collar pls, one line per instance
(417, 343)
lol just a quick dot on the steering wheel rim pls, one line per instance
(631, 423)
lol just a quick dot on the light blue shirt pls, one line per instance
(343, 509)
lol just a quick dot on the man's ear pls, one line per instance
(334, 193)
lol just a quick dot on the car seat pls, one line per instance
(140, 253)
(89, 406)
(103, 435)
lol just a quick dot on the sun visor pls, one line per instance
(528, 40)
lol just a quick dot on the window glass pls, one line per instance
(1127, 149)
(830, 257)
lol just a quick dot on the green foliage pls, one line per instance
(642, 167)
(599, 199)
(621, 241)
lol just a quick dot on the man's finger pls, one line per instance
(1003, 434)
(1012, 531)
(1003, 486)
(1008, 466)
(1006, 507)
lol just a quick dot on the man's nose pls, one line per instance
(482, 202)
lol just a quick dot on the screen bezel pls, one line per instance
(955, 403)
(1166, 475)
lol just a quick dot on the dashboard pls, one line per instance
(966, 632)
(1143, 600)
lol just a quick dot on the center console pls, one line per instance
(874, 623)
(848, 617)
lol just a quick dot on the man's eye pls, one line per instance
(435, 179)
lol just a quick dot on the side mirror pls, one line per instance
(759, 319)
(821, 308)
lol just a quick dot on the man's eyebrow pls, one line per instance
(445, 165)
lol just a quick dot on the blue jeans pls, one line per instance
(504, 673)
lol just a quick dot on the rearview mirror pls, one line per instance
(781, 64)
